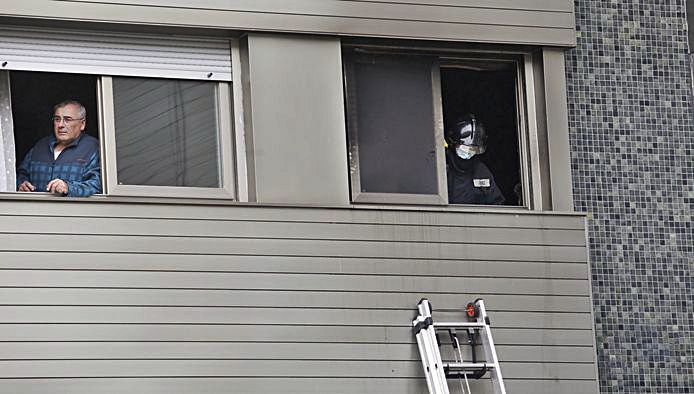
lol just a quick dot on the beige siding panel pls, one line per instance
(272, 385)
(273, 316)
(266, 297)
(96, 207)
(557, 112)
(268, 229)
(478, 13)
(282, 247)
(267, 333)
(305, 282)
(265, 351)
(521, 22)
(280, 299)
(292, 264)
(544, 5)
(294, 88)
(265, 368)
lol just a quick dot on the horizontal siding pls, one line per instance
(274, 298)
(544, 22)
(267, 385)
(65, 332)
(96, 261)
(95, 207)
(288, 247)
(159, 298)
(297, 230)
(255, 281)
(265, 351)
(267, 368)
(272, 316)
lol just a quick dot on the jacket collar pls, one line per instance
(53, 141)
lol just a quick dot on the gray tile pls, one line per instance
(632, 143)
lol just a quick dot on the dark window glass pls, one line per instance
(394, 124)
(166, 132)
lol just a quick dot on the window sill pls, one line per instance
(110, 199)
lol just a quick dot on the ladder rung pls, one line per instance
(467, 366)
(444, 326)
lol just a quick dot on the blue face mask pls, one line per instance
(464, 152)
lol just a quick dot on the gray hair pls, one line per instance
(83, 111)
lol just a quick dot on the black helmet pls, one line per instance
(468, 134)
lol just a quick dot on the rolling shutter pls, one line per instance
(103, 53)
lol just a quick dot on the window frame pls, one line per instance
(109, 165)
(359, 196)
(228, 96)
(527, 130)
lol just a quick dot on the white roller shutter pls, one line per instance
(89, 52)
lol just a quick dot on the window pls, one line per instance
(27, 106)
(167, 137)
(160, 106)
(400, 108)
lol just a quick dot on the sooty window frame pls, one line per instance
(528, 144)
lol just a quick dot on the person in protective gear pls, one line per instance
(469, 179)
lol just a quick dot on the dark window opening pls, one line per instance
(33, 96)
(488, 90)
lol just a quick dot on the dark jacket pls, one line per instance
(471, 182)
(78, 165)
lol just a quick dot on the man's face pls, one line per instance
(68, 124)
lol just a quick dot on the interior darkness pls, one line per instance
(33, 96)
(490, 93)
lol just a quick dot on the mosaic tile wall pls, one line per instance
(632, 141)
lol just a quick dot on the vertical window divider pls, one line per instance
(108, 158)
(238, 123)
(531, 159)
(102, 146)
(439, 132)
(226, 159)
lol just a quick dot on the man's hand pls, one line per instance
(57, 186)
(26, 186)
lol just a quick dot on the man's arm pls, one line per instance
(23, 178)
(91, 179)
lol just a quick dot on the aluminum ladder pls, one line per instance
(437, 371)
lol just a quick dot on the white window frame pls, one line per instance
(225, 148)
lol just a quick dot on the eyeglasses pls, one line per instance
(66, 119)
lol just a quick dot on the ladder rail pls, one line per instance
(426, 335)
(490, 350)
(426, 359)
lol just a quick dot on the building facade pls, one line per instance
(277, 194)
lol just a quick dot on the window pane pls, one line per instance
(395, 125)
(166, 132)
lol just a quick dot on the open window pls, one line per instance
(27, 108)
(401, 107)
(159, 105)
